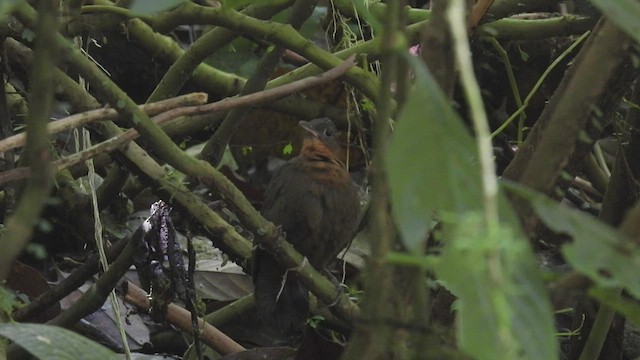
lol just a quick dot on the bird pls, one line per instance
(316, 204)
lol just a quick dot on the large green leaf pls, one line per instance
(503, 310)
(54, 343)
(627, 307)
(433, 170)
(597, 250)
(624, 13)
(431, 161)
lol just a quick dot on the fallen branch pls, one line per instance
(181, 318)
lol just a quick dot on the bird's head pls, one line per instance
(321, 138)
(321, 130)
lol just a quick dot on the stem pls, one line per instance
(539, 83)
(512, 83)
(456, 16)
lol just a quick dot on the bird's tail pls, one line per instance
(281, 301)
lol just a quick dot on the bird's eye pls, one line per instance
(328, 132)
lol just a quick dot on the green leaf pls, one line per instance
(597, 250)
(523, 54)
(629, 308)
(431, 161)
(54, 343)
(28, 35)
(7, 301)
(497, 282)
(287, 149)
(623, 13)
(146, 7)
(36, 250)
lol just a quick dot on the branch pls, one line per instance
(546, 150)
(176, 192)
(67, 285)
(504, 8)
(181, 318)
(163, 118)
(538, 29)
(184, 66)
(277, 33)
(19, 227)
(217, 143)
(88, 117)
(478, 11)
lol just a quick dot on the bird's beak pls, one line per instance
(307, 126)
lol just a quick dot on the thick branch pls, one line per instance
(182, 69)
(20, 226)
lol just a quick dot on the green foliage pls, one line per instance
(597, 250)
(287, 149)
(28, 35)
(45, 226)
(7, 301)
(367, 105)
(433, 170)
(623, 13)
(54, 343)
(493, 273)
(629, 308)
(524, 56)
(431, 162)
(36, 250)
(146, 7)
(315, 321)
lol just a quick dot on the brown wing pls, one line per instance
(292, 203)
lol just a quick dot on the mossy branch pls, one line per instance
(20, 226)
(217, 143)
(182, 69)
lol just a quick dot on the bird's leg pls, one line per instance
(284, 281)
(304, 262)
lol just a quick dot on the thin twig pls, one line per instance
(103, 114)
(478, 11)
